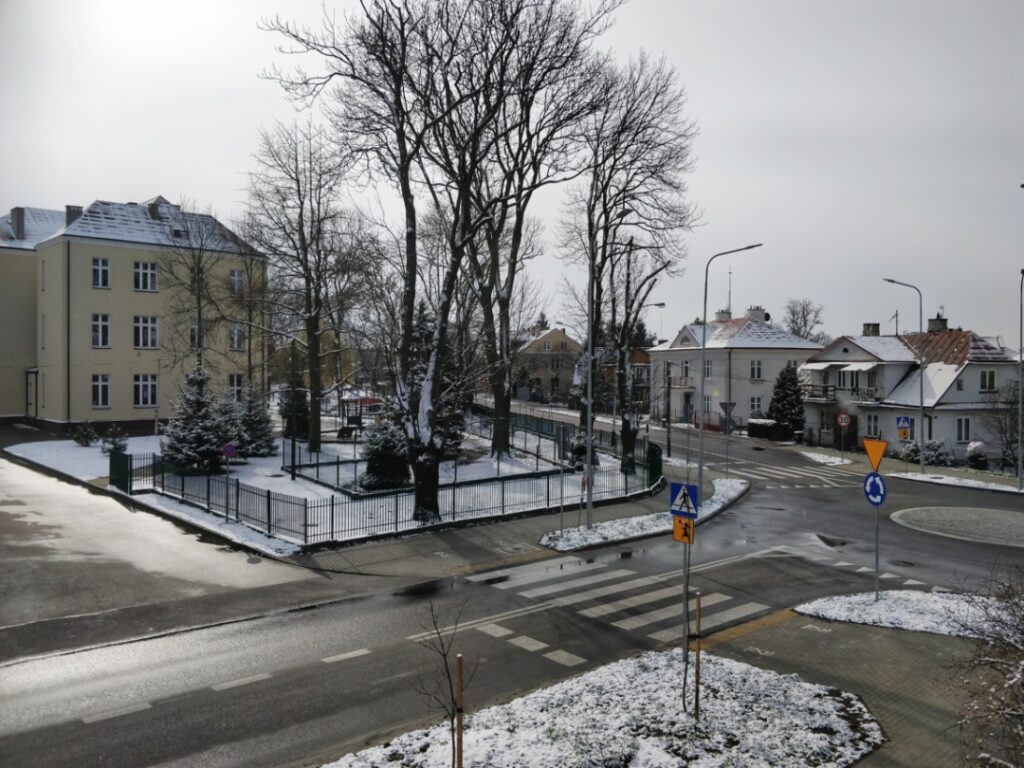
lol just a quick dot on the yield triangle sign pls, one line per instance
(875, 449)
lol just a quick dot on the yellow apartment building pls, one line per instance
(95, 319)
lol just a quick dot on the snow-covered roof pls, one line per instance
(888, 349)
(40, 224)
(938, 378)
(152, 222)
(741, 333)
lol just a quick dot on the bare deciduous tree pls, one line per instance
(803, 317)
(1000, 419)
(625, 218)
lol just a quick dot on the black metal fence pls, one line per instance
(306, 520)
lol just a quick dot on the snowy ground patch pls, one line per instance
(629, 714)
(824, 458)
(84, 463)
(674, 462)
(937, 612)
(962, 482)
(628, 528)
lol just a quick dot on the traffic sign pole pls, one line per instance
(875, 492)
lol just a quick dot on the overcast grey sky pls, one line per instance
(857, 140)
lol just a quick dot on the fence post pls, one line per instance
(270, 527)
(208, 490)
(332, 517)
(503, 497)
(396, 513)
(318, 465)
(305, 511)
(131, 473)
(163, 482)
(547, 488)
(337, 473)
(238, 498)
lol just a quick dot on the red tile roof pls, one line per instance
(954, 348)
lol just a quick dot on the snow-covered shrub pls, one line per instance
(387, 464)
(85, 435)
(258, 427)
(113, 440)
(231, 423)
(193, 439)
(976, 456)
(936, 453)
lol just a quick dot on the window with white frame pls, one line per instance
(755, 405)
(563, 344)
(547, 345)
(686, 369)
(235, 282)
(963, 429)
(707, 404)
(235, 384)
(988, 380)
(144, 386)
(101, 331)
(755, 369)
(145, 275)
(101, 390)
(236, 336)
(872, 424)
(101, 273)
(556, 363)
(707, 369)
(146, 332)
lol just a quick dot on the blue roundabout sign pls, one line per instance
(874, 489)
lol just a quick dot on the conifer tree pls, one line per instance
(258, 427)
(193, 439)
(787, 405)
(231, 415)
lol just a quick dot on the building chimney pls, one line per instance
(18, 223)
(937, 324)
(71, 214)
(757, 312)
(871, 329)
(154, 211)
(722, 315)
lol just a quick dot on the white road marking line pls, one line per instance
(889, 576)
(565, 586)
(668, 612)
(841, 564)
(564, 658)
(594, 594)
(527, 643)
(863, 569)
(707, 622)
(554, 563)
(240, 681)
(120, 711)
(484, 620)
(346, 656)
(913, 582)
(631, 602)
(940, 589)
(494, 630)
(518, 580)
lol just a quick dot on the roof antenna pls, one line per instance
(896, 317)
(728, 303)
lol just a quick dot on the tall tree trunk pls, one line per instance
(313, 359)
(425, 460)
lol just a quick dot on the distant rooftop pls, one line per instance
(39, 224)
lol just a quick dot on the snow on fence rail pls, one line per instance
(318, 520)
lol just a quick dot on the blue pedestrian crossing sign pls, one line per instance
(874, 489)
(902, 422)
(683, 500)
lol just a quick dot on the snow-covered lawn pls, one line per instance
(571, 539)
(962, 482)
(824, 458)
(72, 459)
(629, 713)
(937, 612)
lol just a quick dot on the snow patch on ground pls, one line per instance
(824, 458)
(629, 714)
(84, 463)
(937, 612)
(608, 531)
(962, 482)
(674, 462)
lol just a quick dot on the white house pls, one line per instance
(744, 358)
(876, 380)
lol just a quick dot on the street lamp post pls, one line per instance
(920, 363)
(1020, 392)
(703, 363)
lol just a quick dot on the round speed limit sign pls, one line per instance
(843, 420)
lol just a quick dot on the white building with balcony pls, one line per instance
(876, 380)
(744, 358)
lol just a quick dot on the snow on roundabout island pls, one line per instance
(825, 458)
(962, 482)
(570, 539)
(937, 612)
(629, 714)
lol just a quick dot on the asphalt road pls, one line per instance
(304, 686)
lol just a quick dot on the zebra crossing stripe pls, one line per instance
(709, 622)
(668, 612)
(554, 563)
(531, 577)
(611, 589)
(630, 602)
(563, 586)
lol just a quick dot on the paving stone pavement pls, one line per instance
(906, 679)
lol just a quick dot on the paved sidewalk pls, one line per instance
(906, 679)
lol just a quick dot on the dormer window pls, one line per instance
(988, 380)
